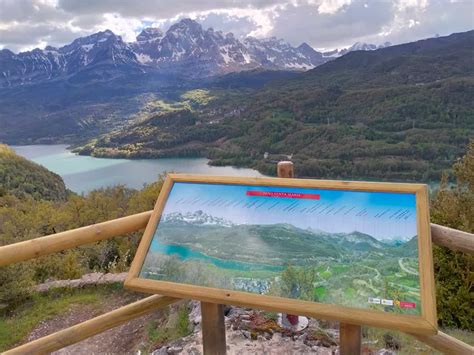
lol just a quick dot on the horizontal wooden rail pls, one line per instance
(445, 343)
(9, 254)
(94, 326)
(34, 248)
(452, 238)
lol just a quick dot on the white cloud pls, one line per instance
(260, 21)
(26, 24)
(403, 5)
(332, 6)
(416, 19)
(351, 23)
(125, 27)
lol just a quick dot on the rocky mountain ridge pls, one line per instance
(184, 49)
(103, 51)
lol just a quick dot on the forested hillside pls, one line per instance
(418, 62)
(21, 178)
(398, 113)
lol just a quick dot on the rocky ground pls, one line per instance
(247, 331)
(253, 332)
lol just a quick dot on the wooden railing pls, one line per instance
(30, 249)
(34, 248)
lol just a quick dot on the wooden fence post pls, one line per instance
(350, 337)
(285, 169)
(213, 329)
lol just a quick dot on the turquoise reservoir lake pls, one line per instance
(83, 173)
(185, 253)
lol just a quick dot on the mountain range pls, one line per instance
(399, 113)
(354, 240)
(185, 49)
(270, 243)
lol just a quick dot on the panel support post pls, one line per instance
(213, 329)
(349, 339)
(285, 169)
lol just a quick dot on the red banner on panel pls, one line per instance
(283, 194)
(407, 304)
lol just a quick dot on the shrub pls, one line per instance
(454, 275)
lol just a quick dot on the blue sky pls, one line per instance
(381, 215)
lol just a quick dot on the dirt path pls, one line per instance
(127, 338)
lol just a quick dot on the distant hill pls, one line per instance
(399, 113)
(20, 177)
(416, 63)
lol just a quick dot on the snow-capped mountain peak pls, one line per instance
(186, 44)
(196, 218)
(184, 49)
(358, 46)
(99, 49)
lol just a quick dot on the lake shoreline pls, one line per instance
(227, 167)
(82, 173)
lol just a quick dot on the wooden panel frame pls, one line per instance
(426, 324)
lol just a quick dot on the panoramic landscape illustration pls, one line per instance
(350, 248)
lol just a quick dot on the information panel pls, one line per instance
(344, 245)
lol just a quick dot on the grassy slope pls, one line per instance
(42, 307)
